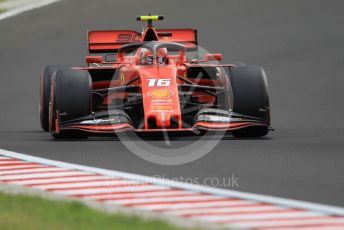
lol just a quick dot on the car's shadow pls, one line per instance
(159, 138)
(40, 136)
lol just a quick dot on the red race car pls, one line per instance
(152, 81)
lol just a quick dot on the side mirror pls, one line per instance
(110, 57)
(94, 59)
(213, 57)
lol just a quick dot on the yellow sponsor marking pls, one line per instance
(160, 93)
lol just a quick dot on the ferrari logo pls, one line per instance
(122, 78)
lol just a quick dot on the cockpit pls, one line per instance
(152, 53)
(147, 56)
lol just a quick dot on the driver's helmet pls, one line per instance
(146, 56)
(162, 55)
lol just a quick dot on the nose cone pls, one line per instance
(160, 97)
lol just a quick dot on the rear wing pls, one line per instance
(187, 37)
(108, 41)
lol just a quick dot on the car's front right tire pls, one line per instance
(45, 85)
(71, 93)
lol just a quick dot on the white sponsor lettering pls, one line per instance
(97, 121)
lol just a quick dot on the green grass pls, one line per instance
(28, 212)
(2, 10)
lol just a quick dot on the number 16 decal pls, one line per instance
(158, 82)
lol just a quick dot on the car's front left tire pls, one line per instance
(250, 98)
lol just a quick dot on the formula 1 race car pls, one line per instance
(152, 82)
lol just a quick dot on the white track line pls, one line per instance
(142, 194)
(191, 187)
(26, 7)
(288, 223)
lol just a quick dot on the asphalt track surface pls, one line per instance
(300, 44)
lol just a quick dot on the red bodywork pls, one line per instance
(159, 86)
